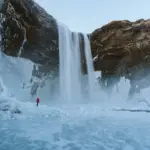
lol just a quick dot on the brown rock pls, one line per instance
(122, 47)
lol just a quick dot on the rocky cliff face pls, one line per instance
(121, 45)
(122, 48)
(29, 32)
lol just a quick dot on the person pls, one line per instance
(37, 101)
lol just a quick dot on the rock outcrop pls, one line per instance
(122, 48)
(29, 32)
(121, 45)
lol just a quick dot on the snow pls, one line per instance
(75, 128)
(94, 125)
(109, 121)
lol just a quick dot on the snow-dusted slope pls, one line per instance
(14, 72)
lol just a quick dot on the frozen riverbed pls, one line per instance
(75, 128)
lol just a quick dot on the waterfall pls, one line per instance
(77, 67)
(70, 65)
(70, 62)
(90, 67)
(23, 42)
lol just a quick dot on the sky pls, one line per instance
(88, 15)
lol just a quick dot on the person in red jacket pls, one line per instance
(37, 101)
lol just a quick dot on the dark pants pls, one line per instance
(37, 104)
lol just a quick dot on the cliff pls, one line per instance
(29, 32)
(122, 48)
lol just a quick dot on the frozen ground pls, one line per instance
(84, 127)
(90, 125)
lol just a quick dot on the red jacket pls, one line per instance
(37, 100)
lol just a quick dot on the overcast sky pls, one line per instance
(87, 15)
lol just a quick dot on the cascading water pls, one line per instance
(70, 64)
(76, 68)
(90, 67)
(23, 43)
